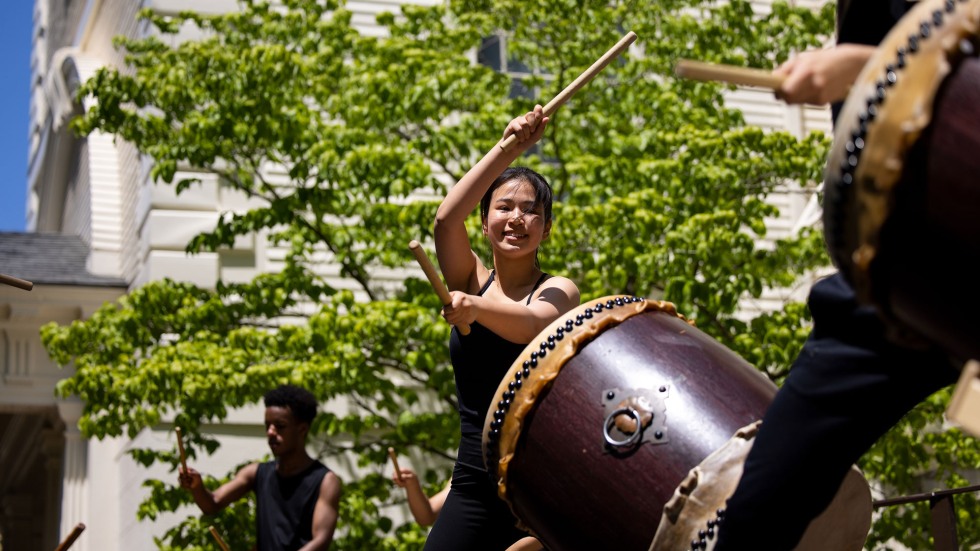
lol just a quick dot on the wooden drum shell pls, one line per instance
(560, 477)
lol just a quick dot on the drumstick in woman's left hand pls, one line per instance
(217, 537)
(434, 279)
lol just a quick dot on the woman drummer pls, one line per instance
(506, 305)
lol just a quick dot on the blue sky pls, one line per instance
(15, 47)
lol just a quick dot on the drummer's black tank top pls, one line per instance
(284, 506)
(480, 360)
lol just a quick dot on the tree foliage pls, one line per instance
(344, 142)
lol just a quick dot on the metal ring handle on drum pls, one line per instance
(632, 438)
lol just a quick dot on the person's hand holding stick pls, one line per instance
(434, 279)
(70, 539)
(579, 82)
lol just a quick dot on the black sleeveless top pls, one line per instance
(867, 22)
(480, 360)
(284, 513)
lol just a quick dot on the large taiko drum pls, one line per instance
(902, 184)
(563, 442)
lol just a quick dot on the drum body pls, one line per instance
(902, 183)
(563, 440)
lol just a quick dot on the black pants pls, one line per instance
(847, 387)
(473, 516)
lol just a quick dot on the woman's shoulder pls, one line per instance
(551, 280)
(558, 290)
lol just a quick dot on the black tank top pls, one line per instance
(284, 512)
(866, 22)
(480, 360)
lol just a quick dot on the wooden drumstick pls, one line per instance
(394, 461)
(699, 70)
(70, 539)
(579, 82)
(434, 279)
(217, 537)
(16, 282)
(180, 446)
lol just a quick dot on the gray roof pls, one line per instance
(49, 259)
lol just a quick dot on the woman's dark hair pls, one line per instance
(542, 191)
(300, 402)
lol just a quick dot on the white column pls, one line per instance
(74, 481)
(53, 451)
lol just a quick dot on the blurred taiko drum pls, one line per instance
(563, 443)
(902, 183)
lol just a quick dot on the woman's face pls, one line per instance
(514, 223)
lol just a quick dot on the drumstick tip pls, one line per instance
(180, 448)
(16, 282)
(413, 244)
(394, 462)
(680, 68)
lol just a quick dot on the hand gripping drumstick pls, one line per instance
(434, 279)
(394, 461)
(699, 70)
(180, 446)
(579, 82)
(70, 539)
(217, 537)
(16, 282)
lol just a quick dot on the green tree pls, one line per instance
(342, 140)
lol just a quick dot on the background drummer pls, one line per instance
(506, 305)
(297, 496)
(849, 384)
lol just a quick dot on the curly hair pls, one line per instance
(299, 401)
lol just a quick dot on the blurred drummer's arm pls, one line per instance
(822, 76)
(526, 544)
(424, 509)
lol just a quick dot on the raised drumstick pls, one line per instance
(394, 461)
(579, 82)
(16, 282)
(70, 539)
(180, 446)
(699, 70)
(217, 537)
(434, 279)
